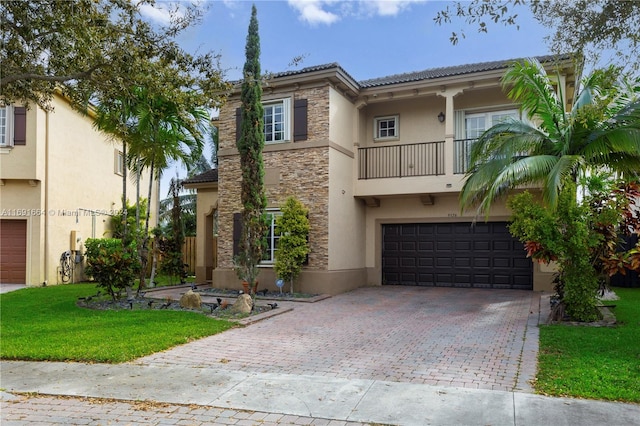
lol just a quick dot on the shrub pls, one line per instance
(111, 265)
(293, 247)
(566, 236)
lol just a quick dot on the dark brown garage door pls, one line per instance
(13, 251)
(484, 255)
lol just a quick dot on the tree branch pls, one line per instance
(54, 78)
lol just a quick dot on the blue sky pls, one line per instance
(367, 38)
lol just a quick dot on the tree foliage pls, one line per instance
(250, 146)
(113, 265)
(584, 27)
(293, 246)
(554, 147)
(566, 237)
(98, 50)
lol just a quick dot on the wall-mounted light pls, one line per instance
(441, 117)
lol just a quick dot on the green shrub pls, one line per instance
(111, 265)
(293, 247)
(567, 237)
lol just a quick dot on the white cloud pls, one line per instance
(329, 11)
(312, 11)
(161, 12)
(389, 7)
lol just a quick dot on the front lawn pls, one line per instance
(594, 362)
(45, 324)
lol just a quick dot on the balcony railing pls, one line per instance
(394, 161)
(461, 154)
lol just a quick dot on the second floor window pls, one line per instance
(118, 164)
(6, 131)
(476, 124)
(276, 121)
(386, 127)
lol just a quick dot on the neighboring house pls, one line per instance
(379, 164)
(60, 182)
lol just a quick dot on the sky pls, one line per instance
(368, 39)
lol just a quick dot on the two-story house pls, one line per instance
(379, 164)
(60, 182)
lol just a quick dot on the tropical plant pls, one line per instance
(111, 264)
(293, 245)
(602, 131)
(158, 128)
(188, 196)
(565, 236)
(250, 145)
(554, 151)
(171, 247)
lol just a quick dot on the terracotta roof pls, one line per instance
(447, 71)
(206, 177)
(427, 74)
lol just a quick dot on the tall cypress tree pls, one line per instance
(250, 146)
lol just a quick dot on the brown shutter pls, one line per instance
(238, 123)
(300, 120)
(237, 233)
(19, 126)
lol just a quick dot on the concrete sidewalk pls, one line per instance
(331, 399)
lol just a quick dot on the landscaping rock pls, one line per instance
(243, 304)
(190, 300)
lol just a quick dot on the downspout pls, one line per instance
(46, 198)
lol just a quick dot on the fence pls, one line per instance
(188, 255)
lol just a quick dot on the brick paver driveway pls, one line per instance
(472, 338)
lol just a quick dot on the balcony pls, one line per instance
(461, 154)
(419, 159)
(396, 161)
(407, 170)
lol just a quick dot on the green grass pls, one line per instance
(45, 324)
(594, 362)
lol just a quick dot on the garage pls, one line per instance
(480, 255)
(13, 251)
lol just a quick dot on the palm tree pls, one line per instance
(156, 130)
(188, 199)
(166, 130)
(601, 132)
(115, 120)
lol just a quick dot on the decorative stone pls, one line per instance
(243, 304)
(191, 300)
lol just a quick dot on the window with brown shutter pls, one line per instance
(237, 233)
(19, 126)
(300, 120)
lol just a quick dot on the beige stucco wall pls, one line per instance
(418, 118)
(206, 204)
(62, 180)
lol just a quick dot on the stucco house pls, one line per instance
(379, 164)
(60, 181)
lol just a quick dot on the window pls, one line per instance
(276, 121)
(118, 164)
(272, 238)
(468, 128)
(476, 124)
(386, 127)
(6, 126)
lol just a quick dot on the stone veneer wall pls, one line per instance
(302, 172)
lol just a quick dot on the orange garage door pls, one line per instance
(13, 251)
